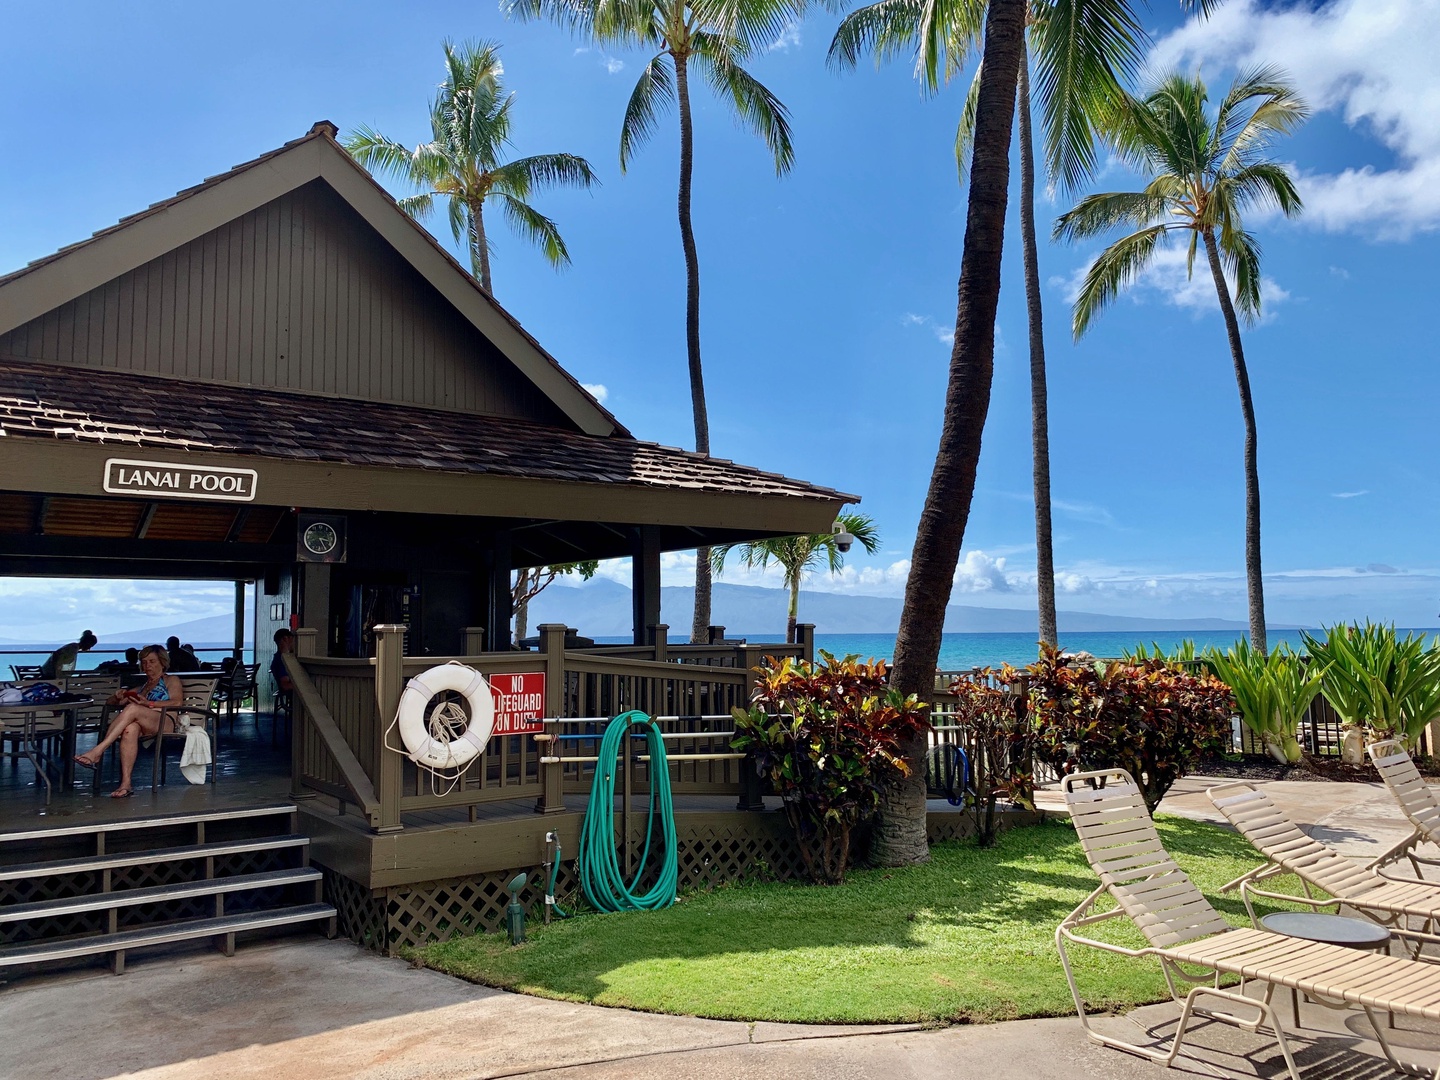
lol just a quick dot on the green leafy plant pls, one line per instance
(997, 737)
(1147, 718)
(827, 735)
(1375, 679)
(1183, 653)
(1272, 691)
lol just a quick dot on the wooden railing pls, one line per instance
(345, 709)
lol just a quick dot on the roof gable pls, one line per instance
(310, 207)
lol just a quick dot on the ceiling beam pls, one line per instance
(41, 510)
(146, 517)
(241, 516)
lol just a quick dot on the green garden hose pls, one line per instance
(600, 874)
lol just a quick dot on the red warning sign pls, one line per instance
(519, 702)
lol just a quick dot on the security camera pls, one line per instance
(843, 538)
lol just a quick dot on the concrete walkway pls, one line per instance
(316, 1009)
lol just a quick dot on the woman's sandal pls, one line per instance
(122, 793)
(79, 760)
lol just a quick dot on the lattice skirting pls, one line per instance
(712, 850)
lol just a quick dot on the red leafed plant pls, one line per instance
(997, 738)
(1152, 720)
(828, 735)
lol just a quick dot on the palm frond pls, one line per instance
(965, 129)
(525, 175)
(1240, 254)
(575, 15)
(380, 155)
(418, 207)
(885, 28)
(535, 227)
(1114, 268)
(1083, 50)
(654, 90)
(458, 215)
(755, 106)
(1280, 112)
(1262, 184)
(1096, 214)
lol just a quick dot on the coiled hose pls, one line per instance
(600, 875)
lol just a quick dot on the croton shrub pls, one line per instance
(829, 736)
(998, 738)
(1148, 718)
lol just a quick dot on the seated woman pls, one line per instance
(139, 718)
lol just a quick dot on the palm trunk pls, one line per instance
(1255, 587)
(793, 616)
(479, 249)
(1039, 398)
(700, 625)
(522, 601)
(900, 835)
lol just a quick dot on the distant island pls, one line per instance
(602, 609)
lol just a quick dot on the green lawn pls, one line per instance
(967, 937)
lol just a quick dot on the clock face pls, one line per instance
(320, 538)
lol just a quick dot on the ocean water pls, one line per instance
(30, 655)
(964, 651)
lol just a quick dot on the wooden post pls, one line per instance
(552, 648)
(239, 653)
(660, 636)
(644, 581)
(717, 635)
(306, 647)
(500, 598)
(472, 641)
(388, 768)
(805, 638)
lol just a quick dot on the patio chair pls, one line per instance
(27, 672)
(236, 687)
(199, 690)
(1181, 927)
(1416, 798)
(1391, 902)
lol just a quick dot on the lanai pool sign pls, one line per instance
(171, 480)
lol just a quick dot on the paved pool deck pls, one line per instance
(309, 1008)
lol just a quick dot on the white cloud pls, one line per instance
(1371, 61)
(1347, 494)
(943, 334)
(36, 610)
(1095, 515)
(614, 65)
(599, 391)
(1168, 277)
(789, 39)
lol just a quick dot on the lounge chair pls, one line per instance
(1181, 927)
(1416, 798)
(1392, 903)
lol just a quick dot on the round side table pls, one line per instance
(1331, 930)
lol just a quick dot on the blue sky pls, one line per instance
(828, 295)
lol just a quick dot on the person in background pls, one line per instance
(62, 660)
(284, 643)
(129, 666)
(182, 657)
(139, 717)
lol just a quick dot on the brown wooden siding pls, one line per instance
(300, 294)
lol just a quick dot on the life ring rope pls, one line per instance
(426, 733)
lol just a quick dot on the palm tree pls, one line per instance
(712, 39)
(470, 128)
(799, 555)
(1081, 50)
(1204, 175)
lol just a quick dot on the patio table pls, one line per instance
(28, 720)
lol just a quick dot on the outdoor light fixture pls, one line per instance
(843, 538)
(515, 912)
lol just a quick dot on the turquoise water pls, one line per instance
(31, 655)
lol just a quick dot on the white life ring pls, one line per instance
(423, 747)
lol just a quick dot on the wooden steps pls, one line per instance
(135, 895)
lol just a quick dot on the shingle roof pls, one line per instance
(325, 132)
(48, 401)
